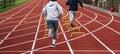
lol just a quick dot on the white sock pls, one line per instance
(53, 41)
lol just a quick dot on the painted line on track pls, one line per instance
(99, 51)
(37, 31)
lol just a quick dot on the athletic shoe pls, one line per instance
(53, 46)
(72, 25)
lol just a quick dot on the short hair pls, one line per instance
(52, 0)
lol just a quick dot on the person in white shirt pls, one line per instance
(53, 12)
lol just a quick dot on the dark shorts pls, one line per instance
(53, 24)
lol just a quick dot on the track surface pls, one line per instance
(22, 31)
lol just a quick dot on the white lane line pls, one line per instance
(37, 31)
(107, 27)
(76, 51)
(30, 41)
(14, 25)
(22, 29)
(104, 15)
(25, 34)
(104, 24)
(98, 51)
(19, 20)
(45, 46)
(12, 20)
(10, 23)
(3, 17)
(70, 48)
(110, 27)
(21, 24)
(17, 25)
(35, 39)
(17, 29)
(19, 36)
(108, 18)
(99, 39)
(15, 17)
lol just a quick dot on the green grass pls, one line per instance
(18, 2)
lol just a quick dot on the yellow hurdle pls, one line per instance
(66, 18)
(46, 30)
(45, 36)
(67, 23)
(57, 34)
(77, 27)
(79, 33)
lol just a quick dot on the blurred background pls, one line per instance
(9, 4)
(112, 5)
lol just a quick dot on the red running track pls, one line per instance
(22, 31)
